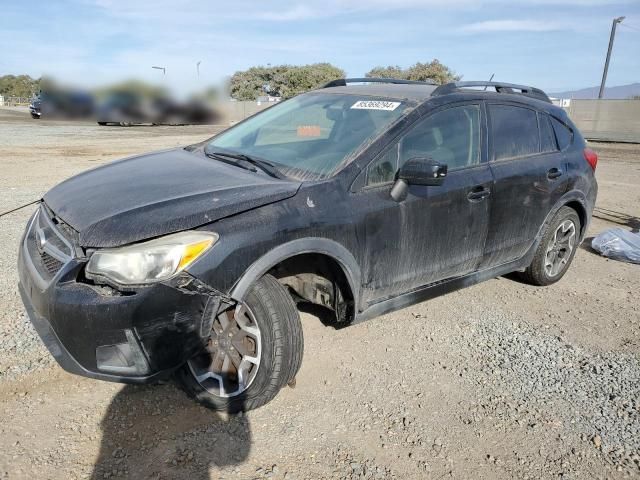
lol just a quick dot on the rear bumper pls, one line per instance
(137, 336)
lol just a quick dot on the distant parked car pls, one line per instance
(361, 199)
(62, 104)
(128, 108)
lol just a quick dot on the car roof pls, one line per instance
(420, 92)
(399, 92)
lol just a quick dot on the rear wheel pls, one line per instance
(556, 250)
(254, 350)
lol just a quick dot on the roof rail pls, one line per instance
(499, 86)
(342, 82)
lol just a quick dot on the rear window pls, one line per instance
(515, 131)
(563, 133)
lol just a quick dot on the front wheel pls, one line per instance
(556, 249)
(254, 350)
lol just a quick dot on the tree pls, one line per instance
(18, 86)
(433, 70)
(281, 80)
(386, 72)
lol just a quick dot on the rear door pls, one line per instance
(529, 177)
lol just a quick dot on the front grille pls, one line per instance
(48, 245)
(53, 265)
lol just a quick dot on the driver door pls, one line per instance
(437, 232)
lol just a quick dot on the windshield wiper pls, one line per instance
(267, 167)
(222, 158)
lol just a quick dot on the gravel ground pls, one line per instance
(499, 380)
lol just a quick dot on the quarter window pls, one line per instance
(563, 133)
(515, 131)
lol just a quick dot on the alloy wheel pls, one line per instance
(560, 248)
(231, 359)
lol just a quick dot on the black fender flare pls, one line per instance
(290, 249)
(569, 197)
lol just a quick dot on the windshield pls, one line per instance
(309, 136)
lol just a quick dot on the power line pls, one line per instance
(630, 26)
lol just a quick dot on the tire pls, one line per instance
(102, 124)
(540, 272)
(280, 351)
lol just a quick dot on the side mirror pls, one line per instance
(417, 171)
(422, 171)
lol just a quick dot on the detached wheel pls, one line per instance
(255, 349)
(556, 250)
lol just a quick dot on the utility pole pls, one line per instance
(198, 67)
(615, 23)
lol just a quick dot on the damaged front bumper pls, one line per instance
(133, 336)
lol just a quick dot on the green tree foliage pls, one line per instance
(18, 86)
(433, 70)
(392, 71)
(282, 80)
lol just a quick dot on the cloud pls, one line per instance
(511, 26)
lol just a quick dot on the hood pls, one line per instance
(158, 193)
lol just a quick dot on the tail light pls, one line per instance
(591, 157)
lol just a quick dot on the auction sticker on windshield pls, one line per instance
(375, 105)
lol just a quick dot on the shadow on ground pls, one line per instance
(158, 432)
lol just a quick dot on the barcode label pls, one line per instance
(375, 105)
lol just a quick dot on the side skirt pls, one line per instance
(433, 290)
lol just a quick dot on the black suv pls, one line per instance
(362, 199)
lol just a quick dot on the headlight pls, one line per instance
(152, 261)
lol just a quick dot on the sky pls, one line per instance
(554, 45)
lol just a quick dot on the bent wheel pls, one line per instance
(254, 349)
(231, 359)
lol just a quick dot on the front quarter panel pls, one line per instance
(319, 213)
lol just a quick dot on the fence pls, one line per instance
(236, 111)
(607, 120)
(14, 101)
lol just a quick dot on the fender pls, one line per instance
(571, 196)
(324, 246)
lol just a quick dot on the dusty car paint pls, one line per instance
(381, 254)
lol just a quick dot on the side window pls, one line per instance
(514, 131)
(451, 137)
(547, 137)
(563, 133)
(383, 170)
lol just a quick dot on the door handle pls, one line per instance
(554, 173)
(478, 193)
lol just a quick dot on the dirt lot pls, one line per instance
(500, 380)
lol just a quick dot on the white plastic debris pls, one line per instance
(619, 244)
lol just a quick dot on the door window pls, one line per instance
(450, 137)
(547, 137)
(515, 131)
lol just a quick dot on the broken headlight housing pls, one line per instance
(152, 261)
